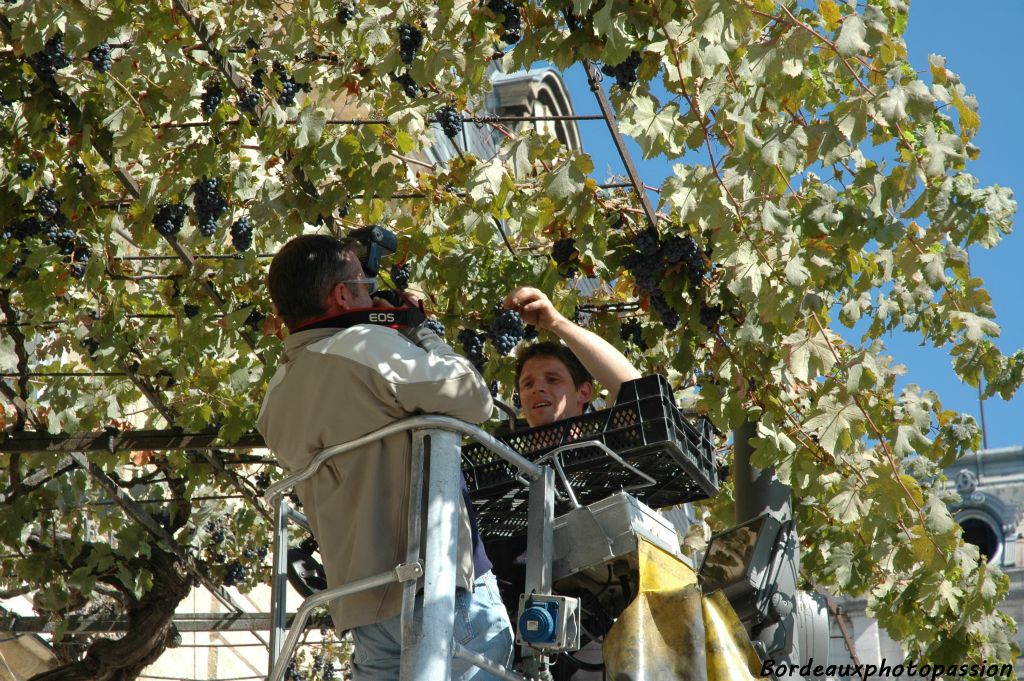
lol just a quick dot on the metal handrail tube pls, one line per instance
(480, 661)
(431, 655)
(299, 517)
(410, 632)
(448, 423)
(565, 481)
(539, 551)
(553, 455)
(401, 573)
(279, 578)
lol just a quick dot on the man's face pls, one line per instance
(547, 392)
(353, 295)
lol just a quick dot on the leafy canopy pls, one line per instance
(822, 177)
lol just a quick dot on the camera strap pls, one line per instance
(391, 317)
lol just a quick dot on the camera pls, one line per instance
(375, 243)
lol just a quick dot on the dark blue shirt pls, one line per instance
(481, 563)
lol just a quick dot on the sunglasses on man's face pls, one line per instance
(371, 284)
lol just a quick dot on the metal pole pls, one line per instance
(539, 552)
(279, 578)
(400, 573)
(757, 492)
(981, 401)
(620, 145)
(433, 652)
(410, 632)
(487, 665)
(981, 408)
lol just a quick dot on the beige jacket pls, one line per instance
(333, 386)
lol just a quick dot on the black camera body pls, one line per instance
(375, 242)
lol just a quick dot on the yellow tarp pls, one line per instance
(670, 632)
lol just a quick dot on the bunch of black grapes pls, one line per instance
(236, 573)
(213, 95)
(512, 21)
(262, 480)
(289, 86)
(99, 56)
(409, 85)
(562, 252)
(506, 331)
(51, 58)
(685, 250)
(632, 332)
(400, 275)
(322, 666)
(624, 73)
(241, 234)
(249, 100)
(473, 346)
(209, 204)
(346, 13)
(669, 317)
(46, 203)
(90, 345)
(649, 260)
(710, 316)
(218, 533)
(435, 325)
(51, 225)
(450, 120)
(80, 260)
(644, 262)
(169, 218)
(410, 39)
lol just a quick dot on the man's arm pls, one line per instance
(432, 377)
(443, 381)
(598, 356)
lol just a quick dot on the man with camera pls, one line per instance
(340, 379)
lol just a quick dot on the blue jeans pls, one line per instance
(481, 625)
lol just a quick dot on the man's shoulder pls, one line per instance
(336, 357)
(356, 341)
(361, 347)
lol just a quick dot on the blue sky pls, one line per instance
(979, 41)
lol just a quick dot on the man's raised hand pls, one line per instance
(534, 307)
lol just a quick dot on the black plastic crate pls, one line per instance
(644, 427)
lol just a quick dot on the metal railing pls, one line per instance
(427, 649)
(554, 456)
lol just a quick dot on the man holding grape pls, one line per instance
(555, 381)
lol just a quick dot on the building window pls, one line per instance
(984, 534)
